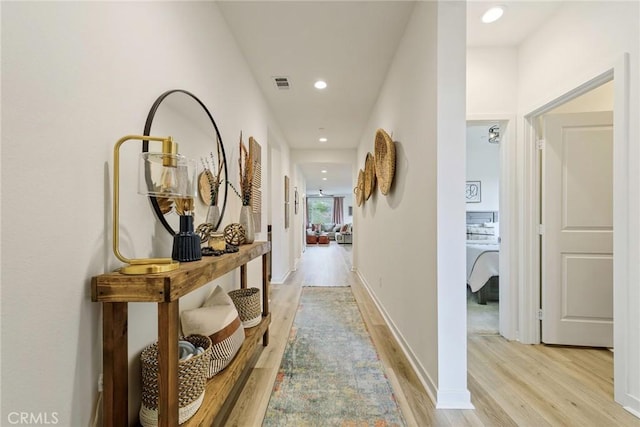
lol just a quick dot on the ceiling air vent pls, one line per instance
(282, 83)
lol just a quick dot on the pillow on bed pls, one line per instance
(481, 239)
(495, 226)
(474, 229)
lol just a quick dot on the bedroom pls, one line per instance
(482, 197)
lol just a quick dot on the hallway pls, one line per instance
(325, 265)
(511, 384)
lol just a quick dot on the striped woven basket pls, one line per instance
(192, 377)
(226, 344)
(247, 302)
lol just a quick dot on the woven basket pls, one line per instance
(192, 377)
(369, 176)
(247, 302)
(385, 157)
(359, 190)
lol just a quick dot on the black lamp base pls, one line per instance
(186, 244)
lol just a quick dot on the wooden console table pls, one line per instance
(115, 291)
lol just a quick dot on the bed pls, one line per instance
(483, 255)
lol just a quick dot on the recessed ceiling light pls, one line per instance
(324, 179)
(323, 171)
(323, 139)
(493, 14)
(320, 84)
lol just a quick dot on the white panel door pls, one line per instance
(577, 241)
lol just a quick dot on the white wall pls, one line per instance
(76, 77)
(399, 268)
(422, 103)
(492, 81)
(348, 201)
(598, 99)
(297, 220)
(483, 164)
(281, 237)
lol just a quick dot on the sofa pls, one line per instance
(329, 229)
(345, 234)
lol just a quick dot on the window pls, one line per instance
(320, 210)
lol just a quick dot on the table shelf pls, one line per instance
(115, 291)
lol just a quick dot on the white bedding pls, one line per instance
(482, 262)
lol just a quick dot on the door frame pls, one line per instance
(530, 207)
(508, 308)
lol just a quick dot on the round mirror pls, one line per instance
(181, 115)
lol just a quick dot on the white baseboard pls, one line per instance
(280, 281)
(426, 381)
(454, 399)
(633, 406)
(632, 411)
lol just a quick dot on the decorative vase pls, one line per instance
(186, 244)
(213, 216)
(246, 220)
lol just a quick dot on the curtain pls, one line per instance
(338, 209)
(306, 212)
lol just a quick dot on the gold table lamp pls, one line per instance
(160, 174)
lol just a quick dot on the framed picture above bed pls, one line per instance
(473, 192)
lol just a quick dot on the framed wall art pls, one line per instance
(255, 150)
(286, 189)
(286, 215)
(473, 192)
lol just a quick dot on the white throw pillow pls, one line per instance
(218, 319)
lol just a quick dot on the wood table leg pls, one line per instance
(243, 276)
(265, 295)
(168, 364)
(115, 359)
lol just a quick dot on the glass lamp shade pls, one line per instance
(166, 175)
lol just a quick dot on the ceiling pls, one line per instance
(336, 181)
(520, 19)
(350, 45)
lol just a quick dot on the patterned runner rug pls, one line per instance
(330, 373)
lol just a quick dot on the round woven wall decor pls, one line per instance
(359, 190)
(204, 188)
(385, 157)
(234, 234)
(369, 176)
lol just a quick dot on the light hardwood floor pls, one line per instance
(511, 384)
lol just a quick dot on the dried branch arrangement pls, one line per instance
(213, 171)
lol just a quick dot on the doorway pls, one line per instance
(504, 217)
(575, 205)
(529, 246)
(482, 196)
